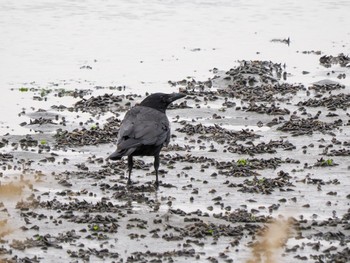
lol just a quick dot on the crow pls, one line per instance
(145, 129)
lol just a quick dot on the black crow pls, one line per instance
(145, 129)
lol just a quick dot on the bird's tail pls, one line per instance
(115, 156)
(118, 154)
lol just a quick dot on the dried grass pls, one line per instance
(272, 239)
(11, 189)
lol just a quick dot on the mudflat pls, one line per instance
(257, 170)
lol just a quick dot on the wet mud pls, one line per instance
(257, 170)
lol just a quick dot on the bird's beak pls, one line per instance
(175, 96)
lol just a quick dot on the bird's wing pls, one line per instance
(143, 126)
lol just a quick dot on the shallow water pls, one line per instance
(46, 42)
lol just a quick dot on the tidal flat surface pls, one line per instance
(258, 166)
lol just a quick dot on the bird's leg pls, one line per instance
(156, 166)
(130, 164)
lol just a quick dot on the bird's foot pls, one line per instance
(156, 184)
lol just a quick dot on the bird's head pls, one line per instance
(160, 101)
